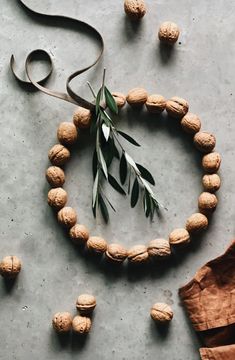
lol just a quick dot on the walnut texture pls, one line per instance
(177, 107)
(191, 123)
(161, 313)
(116, 253)
(58, 155)
(62, 322)
(81, 325)
(86, 304)
(155, 103)
(211, 182)
(204, 141)
(10, 267)
(135, 9)
(82, 118)
(159, 249)
(168, 32)
(138, 254)
(196, 222)
(96, 244)
(137, 97)
(211, 162)
(119, 98)
(57, 198)
(55, 176)
(179, 237)
(67, 217)
(207, 203)
(67, 133)
(79, 234)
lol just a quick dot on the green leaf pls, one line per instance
(128, 138)
(106, 131)
(113, 182)
(97, 102)
(146, 174)
(135, 193)
(131, 162)
(103, 163)
(113, 148)
(148, 204)
(94, 164)
(111, 103)
(95, 189)
(123, 169)
(103, 208)
(147, 187)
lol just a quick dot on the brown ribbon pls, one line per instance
(70, 96)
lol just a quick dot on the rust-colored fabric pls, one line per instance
(210, 302)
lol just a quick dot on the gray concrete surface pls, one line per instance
(201, 69)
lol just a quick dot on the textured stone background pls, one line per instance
(201, 69)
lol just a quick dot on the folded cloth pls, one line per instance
(210, 302)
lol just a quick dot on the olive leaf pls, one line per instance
(135, 193)
(103, 163)
(123, 169)
(103, 208)
(95, 189)
(113, 182)
(106, 131)
(111, 103)
(132, 163)
(128, 138)
(145, 174)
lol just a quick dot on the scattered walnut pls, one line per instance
(211, 162)
(57, 198)
(196, 222)
(211, 182)
(204, 141)
(79, 234)
(138, 254)
(207, 203)
(137, 97)
(82, 118)
(159, 248)
(177, 107)
(135, 9)
(86, 304)
(116, 253)
(168, 32)
(81, 324)
(96, 244)
(10, 267)
(191, 123)
(62, 322)
(119, 98)
(67, 133)
(55, 176)
(179, 237)
(161, 313)
(67, 217)
(58, 155)
(155, 103)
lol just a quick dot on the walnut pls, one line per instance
(55, 176)
(58, 155)
(62, 322)
(179, 237)
(211, 162)
(81, 325)
(57, 198)
(204, 141)
(10, 267)
(177, 107)
(155, 103)
(137, 97)
(191, 123)
(196, 222)
(119, 98)
(159, 249)
(67, 133)
(207, 203)
(211, 182)
(86, 304)
(82, 118)
(79, 234)
(138, 254)
(161, 313)
(135, 9)
(67, 217)
(96, 244)
(168, 32)
(116, 253)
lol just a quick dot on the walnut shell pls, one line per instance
(211, 162)
(79, 234)
(155, 104)
(196, 222)
(97, 244)
(119, 98)
(82, 118)
(138, 254)
(62, 322)
(58, 155)
(211, 182)
(10, 267)
(135, 9)
(204, 141)
(179, 237)
(177, 107)
(191, 123)
(161, 313)
(67, 217)
(168, 32)
(159, 248)
(137, 97)
(55, 176)
(86, 304)
(207, 203)
(57, 198)
(67, 133)
(81, 324)
(116, 253)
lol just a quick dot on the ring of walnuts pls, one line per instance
(59, 154)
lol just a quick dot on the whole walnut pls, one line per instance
(207, 203)
(62, 322)
(191, 123)
(119, 98)
(168, 32)
(57, 198)
(196, 222)
(179, 237)
(55, 176)
(82, 118)
(10, 267)
(211, 182)
(159, 249)
(79, 234)
(67, 133)
(138, 254)
(177, 107)
(161, 313)
(67, 217)
(135, 9)
(137, 97)
(211, 162)
(81, 325)
(116, 253)
(58, 155)
(96, 244)
(85, 304)
(204, 141)
(155, 104)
